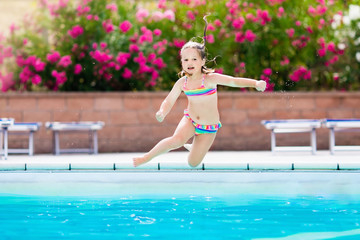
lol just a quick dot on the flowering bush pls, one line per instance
(119, 45)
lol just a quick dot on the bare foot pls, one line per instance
(139, 161)
(188, 146)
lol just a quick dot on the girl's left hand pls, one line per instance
(260, 85)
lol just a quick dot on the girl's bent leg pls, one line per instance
(184, 131)
(200, 147)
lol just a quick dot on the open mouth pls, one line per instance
(191, 68)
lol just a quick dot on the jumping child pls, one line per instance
(201, 118)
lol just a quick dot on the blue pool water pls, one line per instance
(180, 205)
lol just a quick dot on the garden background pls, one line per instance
(125, 47)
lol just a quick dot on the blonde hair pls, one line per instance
(200, 47)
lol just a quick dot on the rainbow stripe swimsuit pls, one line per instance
(202, 91)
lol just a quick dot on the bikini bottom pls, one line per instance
(202, 129)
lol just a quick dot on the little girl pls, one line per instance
(201, 118)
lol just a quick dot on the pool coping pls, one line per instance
(214, 160)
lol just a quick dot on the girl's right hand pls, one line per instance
(160, 116)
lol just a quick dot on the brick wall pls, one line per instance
(130, 124)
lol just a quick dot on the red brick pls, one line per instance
(225, 103)
(233, 117)
(328, 102)
(146, 117)
(22, 103)
(256, 116)
(124, 117)
(17, 115)
(136, 133)
(37, 116)
(110, 132)
(316, 114)
(340, 114)
(108, 104)
(94, 116)
(137, 103)
(287, 114)
(66, 116)
(246, 103)
(3, 103)
(302, 103)
(273, 103)
(349, 102)
(80, 103)
(51, 103)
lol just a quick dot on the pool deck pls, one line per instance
(214, 160)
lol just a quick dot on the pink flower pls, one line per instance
(159, 62)
(217, 23)
(112, 7)
(219, 70)
(267, 71)
(169, 14)
(151, 57)
(239, 37)
(300, 73)
(133, 48)
(122, 58)
(127, 73)
(140, 59)
(280, 12)
(162, 4)
(141, 14)
(144, 69)
(264, 15)
(178, 43)
(154, 76)
(36, 80)
(103, 45)
(101, 56)
(309, 29)
(157, 32)
(25, 74)
(298, 23)
(125, 26)
(76, 31)
(39, 65)
(331, 47)
(250, 36)
(290, 32)
(190, 15)
(322, 52)
(77, 69)
(210, 38)
(65, 61)
(59, 76)
(285, 61)
(238, 23)
(108, 26)
(6, 81)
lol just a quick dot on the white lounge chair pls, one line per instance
(24, 128)
(341, 125)
(5, 123)
(88, 127)
(293, 126)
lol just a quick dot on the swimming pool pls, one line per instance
(180, 205)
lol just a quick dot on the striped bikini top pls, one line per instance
(202, 91)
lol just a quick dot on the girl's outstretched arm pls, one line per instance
(169, 101)
(225, 80)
